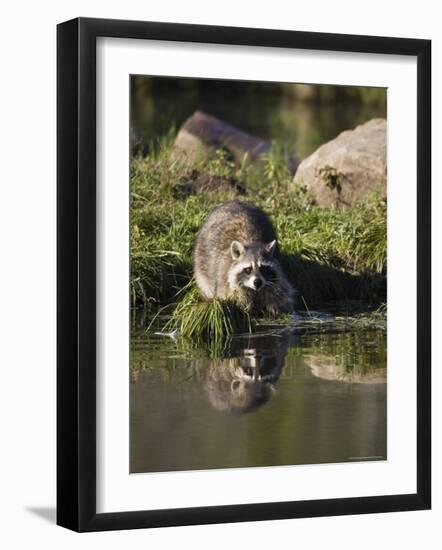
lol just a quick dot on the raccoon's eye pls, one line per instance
(248, 270)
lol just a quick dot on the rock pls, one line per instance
(202, 134)
(200, 182)
(327, 368)
(346, 169)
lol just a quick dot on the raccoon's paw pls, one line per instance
(244, 299)
(288, 307)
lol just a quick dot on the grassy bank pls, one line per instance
(329, 253)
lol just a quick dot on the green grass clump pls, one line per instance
(200, 319)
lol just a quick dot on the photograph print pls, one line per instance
(258, 274)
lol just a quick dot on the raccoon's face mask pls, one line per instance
(254, 267)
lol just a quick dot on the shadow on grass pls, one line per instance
(317, 283)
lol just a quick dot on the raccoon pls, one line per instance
(236, 255)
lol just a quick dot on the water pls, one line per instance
(270, 111)
(275, 398)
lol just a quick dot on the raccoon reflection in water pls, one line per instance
(245, 380)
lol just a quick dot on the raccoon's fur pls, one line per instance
(237, 256)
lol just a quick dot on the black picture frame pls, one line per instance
(76, 274)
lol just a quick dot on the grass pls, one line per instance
(344, 321)
(328, 253)
(213, 320)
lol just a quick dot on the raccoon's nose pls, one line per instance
(257, 283)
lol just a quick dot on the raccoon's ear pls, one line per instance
(271, 247)
(236, 249)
